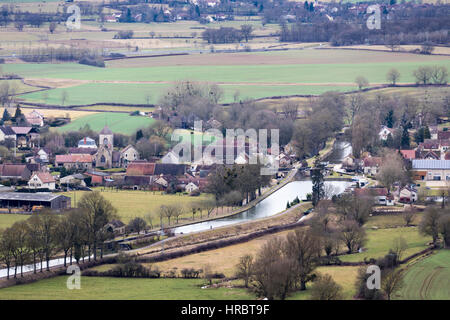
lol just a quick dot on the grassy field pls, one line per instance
(7, 220)
(253, 75)
(117, 122)
(131, 204)
(301, 73)
(381, 240)
(94, 288)
(428, 279)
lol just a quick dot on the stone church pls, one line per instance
(104, 155)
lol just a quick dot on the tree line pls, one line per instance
(77, 234)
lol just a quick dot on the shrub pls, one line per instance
(95, 62)
(124, 34)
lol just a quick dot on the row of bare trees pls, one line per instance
(44, 235)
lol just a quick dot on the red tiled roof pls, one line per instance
(444, 135)
(21, 130)
(408, 154)
(371, 192)
(73, 158)
(372, 162)
(138, 168)
(45, 177)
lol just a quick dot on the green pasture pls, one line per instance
(427, 279)
(291, 73)
(380, 241)
(117, 122)
(7, 220)
(94, 288)
(137, 93)
(131, 203)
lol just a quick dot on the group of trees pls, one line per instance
(410, 25)
(228, 34)
(283, 266)
(431, 75)
(77, 234)
(366, 115)
(436, 223)
(231, 185)
(323, 122)
(62, 53)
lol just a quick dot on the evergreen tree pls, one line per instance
(318, 191)
(405, 138)
(426, 133)
(306, 5)
(389, 120)
(139, 135)
(311, 7)
(6, 115)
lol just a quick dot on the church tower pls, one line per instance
(103, 157)
(106, 138)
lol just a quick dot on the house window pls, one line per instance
(437, 178)
(103, 159)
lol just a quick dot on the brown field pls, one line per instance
(73, 114)
(437, 50)
(308, 56)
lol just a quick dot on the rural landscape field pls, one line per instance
(248, 150)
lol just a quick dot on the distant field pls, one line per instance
(7, 220)
(428, 279)
(131, 204)
(73, 114)
(117, 122)
(381, 240)
(254, 75)
(95, 288)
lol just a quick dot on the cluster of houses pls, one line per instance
(429, 163)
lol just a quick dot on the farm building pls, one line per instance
(27, 200)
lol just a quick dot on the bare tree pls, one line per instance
(399, 247)
(392, 282)
(361, 82)
(391, 170)
(392, 76)
(408, 216)
(429, 225)
(290, 110)
(244, 269)
(304, 247)
(353, 235)
(325, 288)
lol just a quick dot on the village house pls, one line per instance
(42, 180)
(17, 172)
(74, 161)
(127, 155)
(76, 179)
(87, 142)
(407, 195)
(408, 154)
(191, 186)
(26, 137)
(380, 195)
(116, 227)
(35, 118)
(385, 132)
(371, 165)
(97, 177)
(435, 173)
(7, 133)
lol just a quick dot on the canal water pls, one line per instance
(273, 204)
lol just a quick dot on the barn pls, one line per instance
(27, 200)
